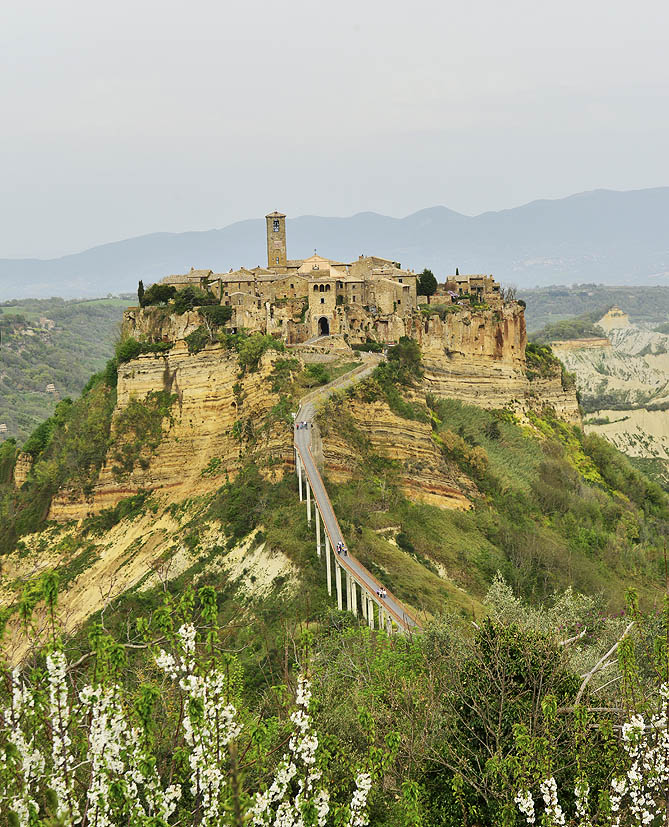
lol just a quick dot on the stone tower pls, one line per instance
(276, 239)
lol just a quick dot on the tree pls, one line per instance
(427, 284)
(140, 293)
(159, 294)
(191, 297)
(457, 271)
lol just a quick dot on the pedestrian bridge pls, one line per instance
(357, 589)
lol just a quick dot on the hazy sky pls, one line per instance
(133, 116)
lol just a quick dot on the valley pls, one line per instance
(161, 523)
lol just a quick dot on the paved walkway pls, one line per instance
(348, 563)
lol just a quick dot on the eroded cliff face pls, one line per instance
(425, 475)
(478, 356)
(24, 464)
(216, 414)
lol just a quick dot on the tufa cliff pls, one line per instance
(478, 357)
(213, 416)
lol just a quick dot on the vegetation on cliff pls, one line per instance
(67, 449)
(555, 507)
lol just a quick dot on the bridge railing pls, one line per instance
(404, 621)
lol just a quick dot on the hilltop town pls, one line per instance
(372, 298)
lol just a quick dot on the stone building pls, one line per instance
(296, 299)
(272, 298)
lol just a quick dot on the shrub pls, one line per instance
(198, 339)
(127, 349)
(371, 347)
(7, 459)
(238, 504)
(251, 349)
(318, 374)
(217, 314)
(106, 519)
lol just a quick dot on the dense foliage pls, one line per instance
(177, 722)
(67, 449)
(427, 284)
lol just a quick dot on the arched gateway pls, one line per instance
(323, 326)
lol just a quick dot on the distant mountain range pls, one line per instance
(600, 236)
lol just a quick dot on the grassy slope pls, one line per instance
(555, 509)
(79, 345)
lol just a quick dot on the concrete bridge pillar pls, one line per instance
(348, 591)
(327, 562)
(308, 501)
(338, 581)
(363, 602)
(318, 529)
(370, 612)
(299, 474)
(354, 595)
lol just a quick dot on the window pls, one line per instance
(277, 259)
(400, 281)
(315, 288)
(276, 225)
(292, 286)
(322, 301)
(315, 267)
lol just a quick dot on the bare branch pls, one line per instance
(572, 639)
(598, 666)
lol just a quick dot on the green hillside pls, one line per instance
(648, 306)
(450, 723)
(50, 341)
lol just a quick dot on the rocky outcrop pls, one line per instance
(478, 356)
(215, 416)
(157, 324)
(614, 319)
(548, 392)
(625, 389)
(23, 467)
(475, 356)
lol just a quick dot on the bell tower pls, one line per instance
(276, 239)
